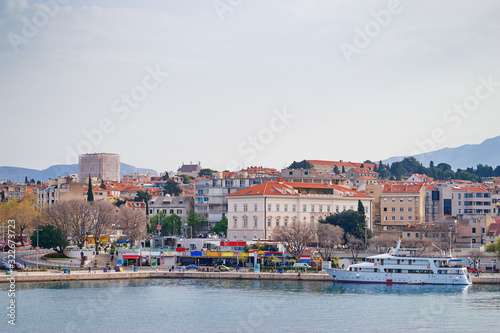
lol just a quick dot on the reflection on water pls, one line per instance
(252, 285)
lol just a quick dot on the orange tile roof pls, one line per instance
(136, 204)
(403, 188)
(365, 170)
(494, 229)
(278, 188)
(267, 188)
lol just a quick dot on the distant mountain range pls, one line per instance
(18, 174)
(487, 152)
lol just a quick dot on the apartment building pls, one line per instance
(356, 173)
(471, 228)
(255, 212)
(329, 166)
(400, 205)
(9, 190)
(211, 193)
(312, 176)
(170, 205)
(472, 200)
(59, 191)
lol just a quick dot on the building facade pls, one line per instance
(401, 205)
(102, 165)
(255, 212)
(171, 205)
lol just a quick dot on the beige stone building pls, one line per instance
(399, 204)
(255, 212)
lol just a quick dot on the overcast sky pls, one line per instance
(231, 83)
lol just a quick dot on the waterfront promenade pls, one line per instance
(75, 275)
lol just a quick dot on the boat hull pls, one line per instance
(339, 275)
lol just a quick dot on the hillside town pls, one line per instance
(197, 215)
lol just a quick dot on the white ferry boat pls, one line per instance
(404, 266)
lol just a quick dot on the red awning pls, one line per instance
(129, 256)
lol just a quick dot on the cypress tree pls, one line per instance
(90, 193)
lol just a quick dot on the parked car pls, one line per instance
(4, 266)
(301, 265)
(18, 266)
(192, 267)
(221, 268)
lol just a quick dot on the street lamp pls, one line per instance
(37, 249)
(451, 228)
(140, 251)
(3, 247)
(365, 240)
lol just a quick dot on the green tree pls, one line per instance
(220, 227)
(174, 223)
(170, 225)
(165, 176)
(143, 196)
(120, 202)
(50, 237)
(156, 220)
(343, 169)
(496, 172)
(351, 221)
(26, 180)
(197, 222)
(206, 172)
(103, 185)
(494, 248)
(186, 179)
(301, 165)
(336, 170)
(361, 209)
(172, 188)
(90, 193)
(444, 166)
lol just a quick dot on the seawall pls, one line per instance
(153, 274)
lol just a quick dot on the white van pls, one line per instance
(301, 265)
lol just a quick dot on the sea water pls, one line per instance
(181, 305)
